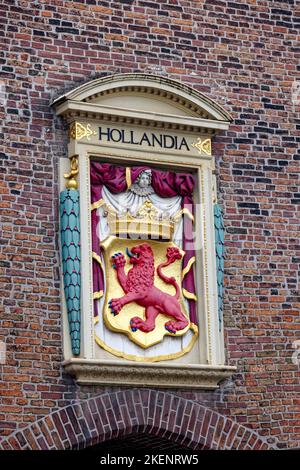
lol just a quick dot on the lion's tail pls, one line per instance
(168, 280)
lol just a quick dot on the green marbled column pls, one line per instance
(70, 246)
(220, 253)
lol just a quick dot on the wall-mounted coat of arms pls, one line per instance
(143, 261)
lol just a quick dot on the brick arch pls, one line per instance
(118, 414)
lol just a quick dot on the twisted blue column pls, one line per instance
(70, 245)
(220, 254)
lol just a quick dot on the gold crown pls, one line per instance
(146, 223)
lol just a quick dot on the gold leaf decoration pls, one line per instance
(78, 131)
(203, 146)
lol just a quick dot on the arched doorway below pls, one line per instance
(135, 414)
(139, 443)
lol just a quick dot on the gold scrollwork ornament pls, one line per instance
(203, 146)
(78, 131)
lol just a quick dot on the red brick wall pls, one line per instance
(243, 54)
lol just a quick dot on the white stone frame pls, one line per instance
(203, 118)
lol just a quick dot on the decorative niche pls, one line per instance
(142, 235)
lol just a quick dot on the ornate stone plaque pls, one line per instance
(142, 234)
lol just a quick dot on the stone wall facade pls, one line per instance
(243, 54)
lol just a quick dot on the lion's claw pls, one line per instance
(170, 328)
(136, 323)
(115, 306)
(112, 309)
(118, 260)
(133, 325)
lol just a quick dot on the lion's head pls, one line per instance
(140, 254)
(141, 275)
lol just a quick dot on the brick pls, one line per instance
(218, 51)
